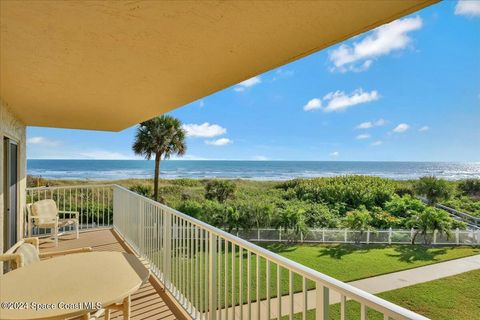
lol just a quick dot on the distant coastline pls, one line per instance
(249, 170)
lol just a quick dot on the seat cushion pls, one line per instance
(46, 210)
(29, 253)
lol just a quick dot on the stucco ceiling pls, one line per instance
(107, 65)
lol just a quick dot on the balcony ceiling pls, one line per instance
(107, 65)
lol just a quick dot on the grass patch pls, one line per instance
(455, 297)
(352, 262)
(344, 262)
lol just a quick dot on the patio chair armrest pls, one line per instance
(33, 241)
(64, 252)
(15, 257)
(69, 212)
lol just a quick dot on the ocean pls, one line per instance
(252, 170)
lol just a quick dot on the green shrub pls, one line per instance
(319, 215)
(433, 189)
(403, 190)
(352, 191)
(404, 207)
(191, 208)
(464, 204)
(220, 190)
(427, 221)
(186, 182)
(33, 182)
(381, 219)
(145, 190)
(358, 219)
(470, 187)
(290, 217)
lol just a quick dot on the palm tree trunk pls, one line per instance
(156, 177)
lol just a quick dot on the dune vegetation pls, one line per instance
(355, 202)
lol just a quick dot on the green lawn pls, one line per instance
(456, 297)
(353, 262)
(344, 262)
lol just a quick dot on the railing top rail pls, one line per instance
(80, 186)
(459, 213)
(370, 300)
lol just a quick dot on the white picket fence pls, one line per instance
(389, 236)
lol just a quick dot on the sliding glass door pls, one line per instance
(10, 184)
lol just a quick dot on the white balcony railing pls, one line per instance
(215, 275)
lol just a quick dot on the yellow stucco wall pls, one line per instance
(12, 128)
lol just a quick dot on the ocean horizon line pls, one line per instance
(266, 160)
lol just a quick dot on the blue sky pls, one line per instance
(407, 91)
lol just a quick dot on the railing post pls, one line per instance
(140, 227)
(258, 234)
(435, 236)
(280, 235)
(345, 236)
(390, 235)
(478, 236)
(212, 277)
(457, 236)
(322, 301)
(301, 236)
(368, 236)
(166, 247)
(114, 206)
(323, 235)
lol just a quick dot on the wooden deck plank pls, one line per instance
(147, 303)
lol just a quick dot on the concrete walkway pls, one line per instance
(372, 285)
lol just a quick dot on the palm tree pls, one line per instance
(160, 137)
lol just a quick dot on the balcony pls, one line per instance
(199, 271)
(150, 302)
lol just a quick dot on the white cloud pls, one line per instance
(402, 127)
(364, 125)
(468, 8)
(334, 154)
(42, 141)
(383, 40)
(313, 104)
(260, 158)
(281, 73)
(363, 136)
(338, 100)
(219, 142)
(424, 128)
(369, 124)
(247, 84)
(377, 143)
(204, 130)
(286, 73)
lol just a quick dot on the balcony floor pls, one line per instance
(147, 302)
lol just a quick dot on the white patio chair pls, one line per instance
(45, 214)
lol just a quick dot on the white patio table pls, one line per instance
(71, 285)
